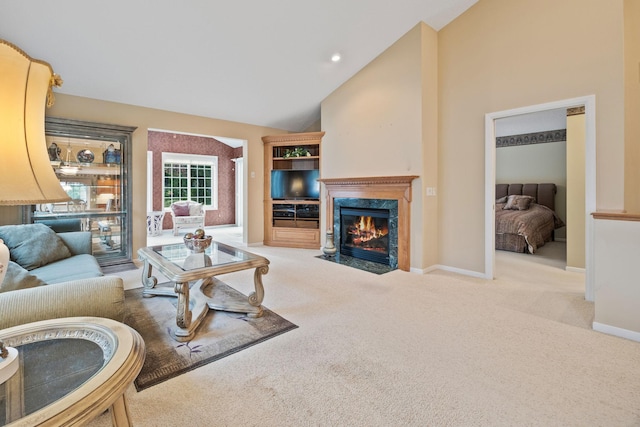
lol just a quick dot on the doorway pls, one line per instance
(588, 102)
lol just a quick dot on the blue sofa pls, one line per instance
(54, 275)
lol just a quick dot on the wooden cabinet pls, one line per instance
(291, 190)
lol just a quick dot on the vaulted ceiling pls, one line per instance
(260, 62)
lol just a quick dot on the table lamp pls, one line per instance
(26, 175)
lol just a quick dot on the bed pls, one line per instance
(525, 216)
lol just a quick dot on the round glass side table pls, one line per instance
(70, 371)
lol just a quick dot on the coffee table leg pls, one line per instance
(183, 315)
(255, 298)
(148, 281)
(120, 413)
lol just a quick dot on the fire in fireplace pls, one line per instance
(365, 233)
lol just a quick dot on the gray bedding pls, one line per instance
(521, 230)
(525, 230)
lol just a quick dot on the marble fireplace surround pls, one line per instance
(384, 187)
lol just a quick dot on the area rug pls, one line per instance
(219, 335)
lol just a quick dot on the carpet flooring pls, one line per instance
(407, 349)
(220, 334)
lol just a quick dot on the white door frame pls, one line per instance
(589, 102)
(239, 191)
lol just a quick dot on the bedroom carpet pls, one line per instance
(407, 349)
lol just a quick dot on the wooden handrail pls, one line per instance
(617, 216)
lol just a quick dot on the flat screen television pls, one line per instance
(295, 184)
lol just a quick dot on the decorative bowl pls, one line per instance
(197, 245)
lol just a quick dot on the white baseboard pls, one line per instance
(450, 269)
(423, 270)
(575, 269)
(618, 332)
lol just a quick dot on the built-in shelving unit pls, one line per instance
(292, 218)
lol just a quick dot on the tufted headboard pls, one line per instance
(545, 194)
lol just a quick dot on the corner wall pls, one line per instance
(383, 122)
(632, 105)
(501, 55)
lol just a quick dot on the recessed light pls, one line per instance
(335, 57)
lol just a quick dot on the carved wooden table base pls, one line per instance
(202, 295)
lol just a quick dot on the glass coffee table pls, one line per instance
(70, 371)
(190, 273)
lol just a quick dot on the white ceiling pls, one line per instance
(252, 61)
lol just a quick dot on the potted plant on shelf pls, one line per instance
(296, 152)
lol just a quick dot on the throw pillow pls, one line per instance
(33, 245)
(502, 200)
(195, 209)
(518, 203)
(524, 203)
(19, 278)
(180, 210)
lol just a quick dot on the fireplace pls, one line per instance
(364, 233)
(392, 193)
(367, 230)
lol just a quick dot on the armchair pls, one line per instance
(186, 214)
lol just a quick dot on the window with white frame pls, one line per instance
(190, 177)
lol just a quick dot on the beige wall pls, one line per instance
(617, 294)
(576, 220)
(144, 118)
(430, 219)
(632, 105)
(383, 122)
(504, 54)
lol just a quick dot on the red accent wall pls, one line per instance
(159, 142)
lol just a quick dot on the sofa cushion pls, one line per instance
(19, 278)
(33, 245)
(81, 266)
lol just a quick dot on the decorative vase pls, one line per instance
(85, 156)
(54, 152)
(329, 248)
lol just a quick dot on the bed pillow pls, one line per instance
(518, 203)
(33, 245)
(502, 200)
(19, 278)
(180, 209)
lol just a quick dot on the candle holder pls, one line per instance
(329, 249)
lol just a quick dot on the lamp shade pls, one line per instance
(26, 175)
